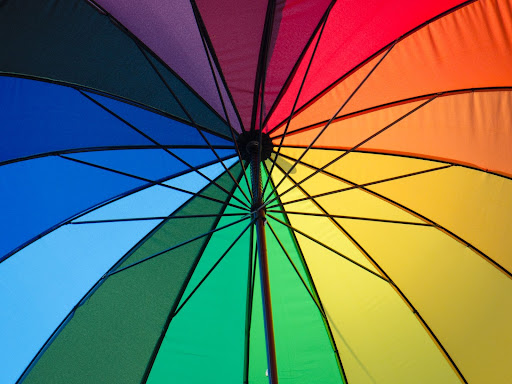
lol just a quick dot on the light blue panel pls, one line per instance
(201, 156)
(39, 117)
(156, 201)
(193, 181)
(38, 194)
(42, 283)
(164, 130)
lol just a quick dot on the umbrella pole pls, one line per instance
(260, 220)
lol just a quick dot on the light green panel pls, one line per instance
(303, 348)
(205, 340)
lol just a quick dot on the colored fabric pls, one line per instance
(154, 155)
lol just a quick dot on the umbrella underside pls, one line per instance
(143, 161)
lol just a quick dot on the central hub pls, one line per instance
(249, 142)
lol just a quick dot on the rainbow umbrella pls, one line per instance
(256, 191)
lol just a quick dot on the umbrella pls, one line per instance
(256, 191)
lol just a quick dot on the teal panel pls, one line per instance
(205, 340)
(112, 335)
(71, 42)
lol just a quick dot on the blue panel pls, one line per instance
(151, 164)
(36, 195)
(39, 117)
(160, 128)
(40, 284)
(156, 201)
(201, 156)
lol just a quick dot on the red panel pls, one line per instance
(354, 31)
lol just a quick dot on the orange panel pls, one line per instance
(470, 128)
(469, 48)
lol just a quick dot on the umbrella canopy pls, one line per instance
(232, 191)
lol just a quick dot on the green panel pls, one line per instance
(303, 347)
(173, 232)
(111, 337)
(205, 341)
(70, 41)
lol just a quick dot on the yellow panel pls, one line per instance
(465, 301)
(320, 228)
(360, 167)
(353, 202)
(318, 183)
(378, 337)
(476, 206)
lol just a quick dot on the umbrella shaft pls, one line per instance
(259, 216)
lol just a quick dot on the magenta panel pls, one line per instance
(235, 28)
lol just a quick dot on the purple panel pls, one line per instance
(169, 29)
(235, 28)
(233, 118)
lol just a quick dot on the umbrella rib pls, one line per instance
(351, 149)
(204, 31)
(397, 289)
(233, 134)
(322, 313)
(248, 305)
(338, 111)
(158, 144)
(261, 70)
(418, 215)
(351, 217)
(152, 182)
(189, 116)
(389, 104)
(212, 269)
(353, 186)
(178, 245)
(110, 148)
(328, 248)
(153, 218)
(91, 209)
(313, 286)
(297, 99)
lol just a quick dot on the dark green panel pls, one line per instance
(70, 41)
(205, 340)
(113, 334)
